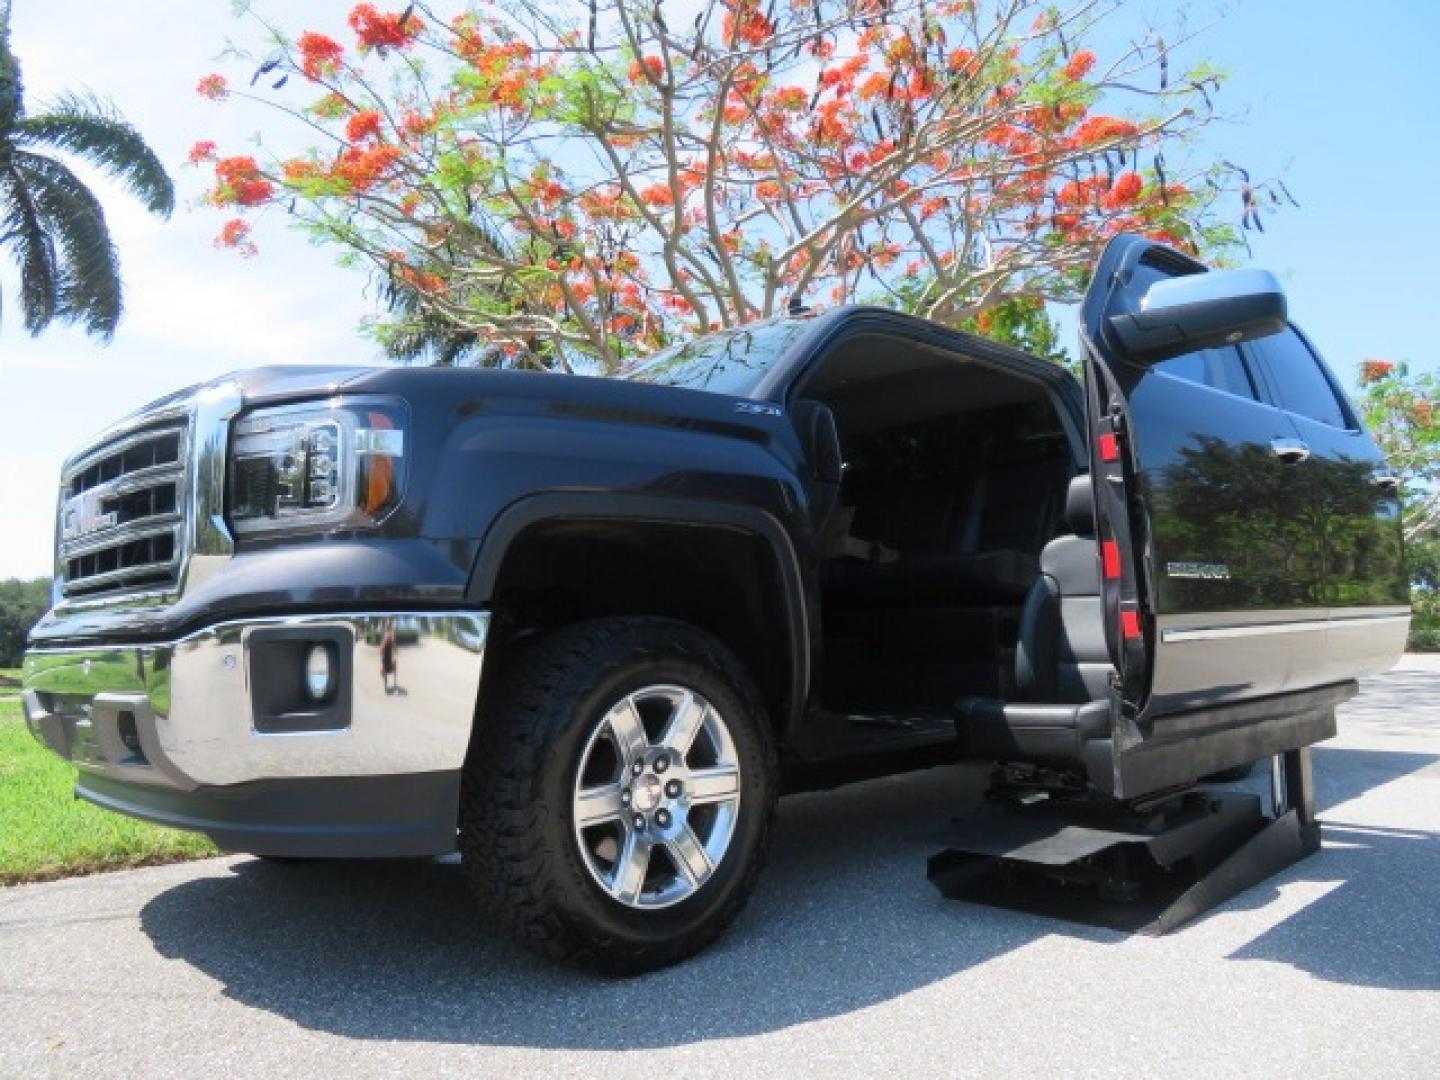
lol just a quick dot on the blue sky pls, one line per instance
(1336, 97)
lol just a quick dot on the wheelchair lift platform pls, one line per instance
(1147, 865)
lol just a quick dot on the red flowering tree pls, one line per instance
(576, 182)
(1402, 410)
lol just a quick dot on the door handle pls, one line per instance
(1386, 483)
(1290, 451)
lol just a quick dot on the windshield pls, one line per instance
(728, 362)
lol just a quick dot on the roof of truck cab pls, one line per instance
(842, 320)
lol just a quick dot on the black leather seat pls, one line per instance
(820, 439)
(1062, 665)
(935, 579)
(957, 539)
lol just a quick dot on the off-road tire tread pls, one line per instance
(503, 846)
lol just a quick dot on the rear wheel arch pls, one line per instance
(728, 569)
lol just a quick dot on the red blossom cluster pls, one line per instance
(1124, 191)
(319, 55)
(376, 30)
(415, 123)
(745, 24)
(204, 150)
(657, 195)
(1372, 371)
(962, 62)
(235, 234)
(647, 67)
(424, 281)
(239, 182)
(547, 191)
(364, 167)
(363, 125)
(1079, 65)
(301, 169)
(1102, 129)
(213, 87)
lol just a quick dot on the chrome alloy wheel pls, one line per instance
(656, 796)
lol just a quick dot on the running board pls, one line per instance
(1147, 868)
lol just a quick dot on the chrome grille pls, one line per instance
(122, 510)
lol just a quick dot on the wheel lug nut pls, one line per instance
(639, 822)
(625, 797)
(638, 767)
(661, 764)
(672, 789)
(662, 818)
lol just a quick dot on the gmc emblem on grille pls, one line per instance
(82, 515)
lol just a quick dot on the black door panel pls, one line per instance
(1240, 529)
(1223, 549)
(1345, 515)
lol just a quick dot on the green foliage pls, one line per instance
(1402, 410)
(1422, 563)
(1424, 633)
(1026, 325)
(21, 605)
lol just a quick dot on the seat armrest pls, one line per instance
(1029, 731)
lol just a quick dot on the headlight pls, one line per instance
(334, 465)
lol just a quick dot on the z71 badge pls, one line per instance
(1208, 571)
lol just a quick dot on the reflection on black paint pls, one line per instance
(1318, 533)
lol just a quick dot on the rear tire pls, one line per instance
(651, 735)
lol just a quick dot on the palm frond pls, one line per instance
(89, 291)
(23, 228)
(12, 91)
(417, 334)
(91, 128)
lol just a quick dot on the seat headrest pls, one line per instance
(1080, 506)
(820, 436)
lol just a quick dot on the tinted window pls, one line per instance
(1221, 368)
(1300, 384)
(728, 362)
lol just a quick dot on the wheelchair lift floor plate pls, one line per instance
(1100, 863)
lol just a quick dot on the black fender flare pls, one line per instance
(639, 508)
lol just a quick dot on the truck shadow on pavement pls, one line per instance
(1380, 925)
(843, 919)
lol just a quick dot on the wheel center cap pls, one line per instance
(646, 793)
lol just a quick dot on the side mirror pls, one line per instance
(1201, 311)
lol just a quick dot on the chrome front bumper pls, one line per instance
(180, 716)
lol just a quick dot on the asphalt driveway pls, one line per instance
(847, 961)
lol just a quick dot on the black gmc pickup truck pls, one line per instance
(585, 630)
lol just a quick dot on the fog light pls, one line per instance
(319, 673)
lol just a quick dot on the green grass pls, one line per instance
(46, 833)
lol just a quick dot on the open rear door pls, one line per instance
(1216, 630)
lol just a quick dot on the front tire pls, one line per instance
(618, 793)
